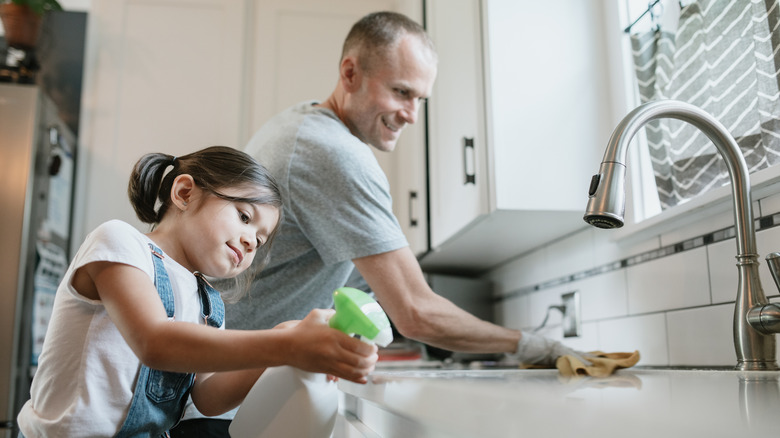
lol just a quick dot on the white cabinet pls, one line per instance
(406, 169)
(456, 133)
(518, 117)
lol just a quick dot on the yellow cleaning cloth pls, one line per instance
(602, 364)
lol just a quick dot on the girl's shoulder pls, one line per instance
(116, 241)
(117, 230)
(117, 225)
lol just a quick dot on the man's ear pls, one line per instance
(183, 191)
(350, 74)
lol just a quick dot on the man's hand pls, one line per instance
(537, 350)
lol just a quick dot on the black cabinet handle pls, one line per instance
(469, 171)
(412, 217)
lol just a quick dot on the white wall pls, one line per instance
(676, 309)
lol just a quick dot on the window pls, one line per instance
(644, 191)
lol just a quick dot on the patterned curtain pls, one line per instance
(724, 58)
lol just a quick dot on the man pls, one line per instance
(337, 201)
(338, 210)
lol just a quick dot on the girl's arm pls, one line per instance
(216, 393)
(134, 306)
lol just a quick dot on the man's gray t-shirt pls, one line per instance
(337, 207)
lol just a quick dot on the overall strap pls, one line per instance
(159, 397)
(211, 306)
(161, 281)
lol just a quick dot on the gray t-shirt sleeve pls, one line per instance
(340, 197)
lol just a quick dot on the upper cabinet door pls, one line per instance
(406, 168)
(549, 104)
(518, 118)
(457, 142)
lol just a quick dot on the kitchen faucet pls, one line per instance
(756, 320)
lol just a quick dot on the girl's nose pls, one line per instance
(249, 241)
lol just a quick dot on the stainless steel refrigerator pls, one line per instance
(37, 156)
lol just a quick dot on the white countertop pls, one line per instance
(535, 403)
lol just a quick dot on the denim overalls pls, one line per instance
(159, 396)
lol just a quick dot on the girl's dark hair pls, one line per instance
(213, 169)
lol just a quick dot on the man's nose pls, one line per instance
(410, 112)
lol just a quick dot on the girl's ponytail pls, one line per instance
(144, 186)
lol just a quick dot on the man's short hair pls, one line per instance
(376, 33)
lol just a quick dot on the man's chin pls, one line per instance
(384, 146)
(387, 148)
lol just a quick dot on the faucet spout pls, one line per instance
(756, 350)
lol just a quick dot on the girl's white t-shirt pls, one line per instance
(86, 371)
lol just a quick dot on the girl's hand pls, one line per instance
(287, 324)
(319, 348)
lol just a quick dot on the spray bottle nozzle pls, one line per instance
(357, 313)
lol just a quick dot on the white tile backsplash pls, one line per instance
(767, 241)
(513, 312)
(702, 336)
(724, 275)
(603, 296)
(518, 273)
(644, 333)
(769, 205)
(672, 282)
(610, 250)
(676, 310)
(716, 221)
(573, 253)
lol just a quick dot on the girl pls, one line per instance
(132, 332)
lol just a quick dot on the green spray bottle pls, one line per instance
(286, 401)
(358, 314)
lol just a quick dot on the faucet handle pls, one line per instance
(773, 261)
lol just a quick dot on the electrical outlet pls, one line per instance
(572, 325)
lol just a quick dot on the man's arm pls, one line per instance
(419, 313)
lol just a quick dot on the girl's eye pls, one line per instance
(245, 218)
(402, 92)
